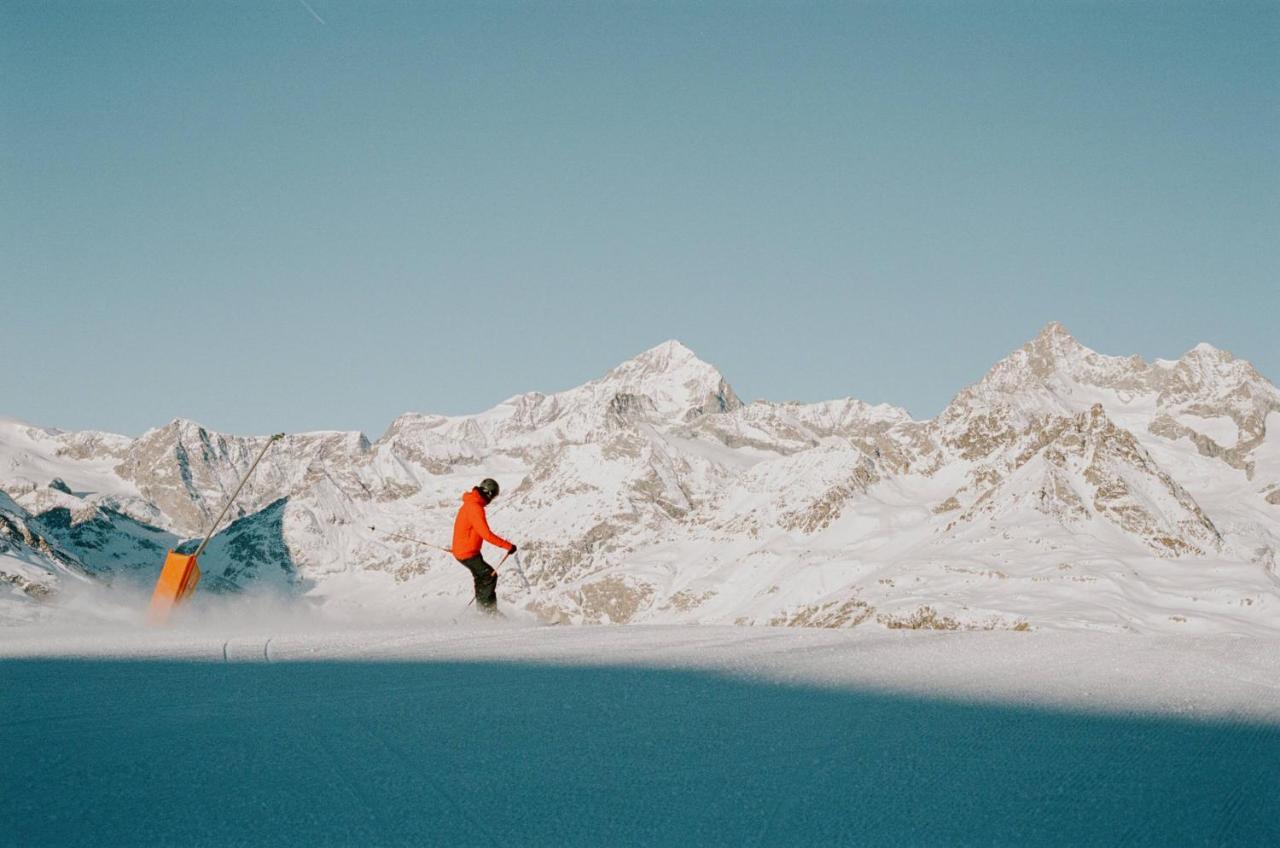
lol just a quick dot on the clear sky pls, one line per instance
(265, 216)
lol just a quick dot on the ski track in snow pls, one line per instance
(492, 734)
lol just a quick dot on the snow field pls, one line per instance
(309, 734)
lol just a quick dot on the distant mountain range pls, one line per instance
(1065, 489)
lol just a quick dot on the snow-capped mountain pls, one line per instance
(1065, 489)
(32, 566)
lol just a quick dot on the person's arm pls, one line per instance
(482, 527)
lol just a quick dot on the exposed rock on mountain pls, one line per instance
(187, 472)
(33, 567)
(1065, 488)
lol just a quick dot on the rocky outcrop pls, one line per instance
(1061, 471)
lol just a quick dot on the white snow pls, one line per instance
(1221, 428)
(32, 456)
(347, 695)
(301, 734)
(1267, 456)
(1057, 493)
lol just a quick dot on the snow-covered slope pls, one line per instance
(1064, 489)
(305, 734)
(33, 566)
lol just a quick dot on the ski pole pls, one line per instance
(245, 479)
(520, 571)
(411, 539)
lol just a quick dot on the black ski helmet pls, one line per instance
(489, 488)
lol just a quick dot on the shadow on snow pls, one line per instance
(485, 753)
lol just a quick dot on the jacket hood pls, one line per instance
(473, 497)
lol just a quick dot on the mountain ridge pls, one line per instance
(654, 493)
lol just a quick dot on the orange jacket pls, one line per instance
(470, 527)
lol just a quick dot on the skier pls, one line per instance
(469, 529)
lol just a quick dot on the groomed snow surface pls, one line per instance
(467, 733)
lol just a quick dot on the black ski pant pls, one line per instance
(486, 583)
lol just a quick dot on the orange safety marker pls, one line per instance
(178, 579)
(181, 572)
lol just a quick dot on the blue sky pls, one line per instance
(235, 213)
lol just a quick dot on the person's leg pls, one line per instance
(486, 580)
(487, 591)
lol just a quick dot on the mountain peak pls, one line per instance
(1054, 329)
(676, 380)
(1053, 349)
(1204, 350)
(1039, 368)
(670, 354)
(671, 359)
(179, 425)
(1054, 339)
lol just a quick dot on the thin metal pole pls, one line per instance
(411, 539)
(277, 437)
(520, 571)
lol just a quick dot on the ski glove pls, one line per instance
(511, 549)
